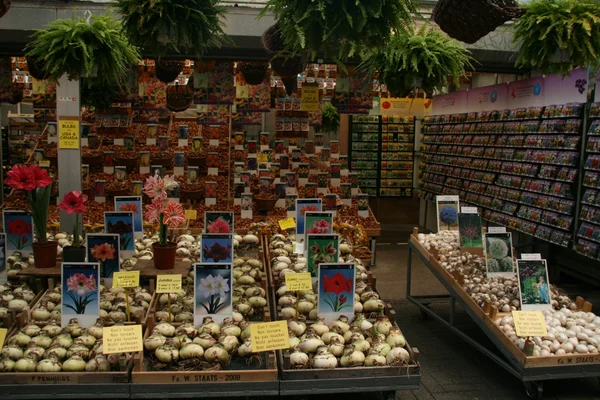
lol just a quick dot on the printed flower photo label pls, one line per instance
(218, 222)
(217, 248)
(133, 204)
(81, 293)
(534, 285)
(321, 249)
(318, 223)
(212, 292)
(336, 291)
(18, 227)
(121, 223)
(470, 232)
(3, 257)
(447, 212)
(104, 249)
(499, 255)
(302, 207)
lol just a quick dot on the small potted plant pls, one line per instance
(74, 202)
(37, 184)
(167, 214)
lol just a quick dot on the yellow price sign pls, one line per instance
(288, 223)
(44, 163)
(126, 279)
(269, 336)
(310, 97)
(530, 323)
(3, 332)
(122, 339)
(168, 283)
(68, 132)
(191, 214)
(295, 282)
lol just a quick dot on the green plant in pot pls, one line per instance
(417, 58)
(38, 186)
(338, 29)
(82, 47)
(557, 36)
(74, 203)
(330, 118)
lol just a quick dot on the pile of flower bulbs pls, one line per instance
(14, 297)
(55, 349)
(171, 347)
(17, 262)
(445, 242)
(48, 308)
(113, 304)
(569, 332)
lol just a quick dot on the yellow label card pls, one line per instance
(168, 283)
(269, 336)
(126, 279)
(122, 339)
(295, 282)
(530, 323)
(191, 214)
(288, 223)
(3, 332)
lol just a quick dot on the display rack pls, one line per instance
(382, 153)
(533, 371)
(519, 166)
(23, 134)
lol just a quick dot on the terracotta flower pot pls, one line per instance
(45, 254)
(74, 254)
(164, 256)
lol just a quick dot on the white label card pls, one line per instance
(497, 229)
(531, 256)
(468, 210)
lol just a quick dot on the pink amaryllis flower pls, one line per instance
(155, 188)
(153, 211)
(81, 284)
(173, 215)
(218, 226)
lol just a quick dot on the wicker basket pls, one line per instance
(179, 98)
(281, 62)
(470, 20)
(36, 69)
(168, 70)
(254, 72)
(4, 7)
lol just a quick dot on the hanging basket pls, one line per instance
(36, 69)
(254, 72)
(470, 20)
(179, 98)
(17, 96)
(168, 70)
(290, 83)
(4, 7)
(282, 62)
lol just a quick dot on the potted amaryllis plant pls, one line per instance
(74, 202)
(168, 214)
(38, 185)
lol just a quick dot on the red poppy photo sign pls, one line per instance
(336, 290)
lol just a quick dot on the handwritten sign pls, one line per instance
(126, 279)
(122, 339)
(3, 333)
(269, 336)
(531, 256)
(288, 223)
(68, 133)
(310, 97)
(168, 283)
(295, 282)
(191, 214)
(530, 323)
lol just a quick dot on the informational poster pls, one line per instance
(310, 97)
(68, 133)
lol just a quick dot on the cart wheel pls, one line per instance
(534, 390)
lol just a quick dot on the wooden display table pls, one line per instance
(147, 269)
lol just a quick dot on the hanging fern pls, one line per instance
(557, 36)
(339, 28)
(418, 57)
(160, 26)
(74, 47)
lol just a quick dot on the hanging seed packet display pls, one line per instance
(321, 249)
(212, 292)
(81, 293)
(336, 291)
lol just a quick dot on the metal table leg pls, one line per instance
(373, 248)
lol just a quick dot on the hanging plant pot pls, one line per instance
(290, 83)
(254, 72)
(4, 7)
(45, 254)
(282, 62)
(179, 98)
(168, 70)
(16, 96)
(164, 256)
(36, 69)
(470, 20)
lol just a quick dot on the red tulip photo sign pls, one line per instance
(336, 291)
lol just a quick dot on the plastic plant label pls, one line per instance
(530, 323)
(168, 283)
(269, 336)
(295, 282)
(126, 279)
(531, 256)
(122, 339)
(497, 229)
(287, 223)
(191, 214)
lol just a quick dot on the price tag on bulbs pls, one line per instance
(168, 283)
(268, 336)
(287, 223)
(295, 282)
(126, 279)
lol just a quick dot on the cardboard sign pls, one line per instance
(288, 223)
(295, 282)
(68, 133)
(530, 323)
(126, 279)
(3, 333)
(168, 283)
(122, 339)
(191, 214)
(269, 336)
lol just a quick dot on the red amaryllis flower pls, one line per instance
(217, 252)
(343, 299)
(42, 179)
(173, 215)
(304, 209)
(20, 177)
(103, 252)
(18, 227)
(129, 207)
(73, 202)
(337, 284)
(81, 284)
(218, 226)
(120, 228)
